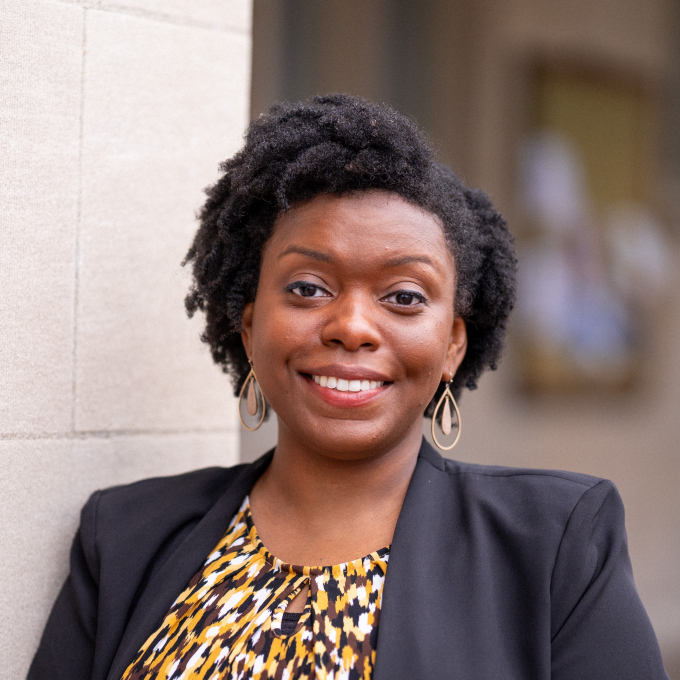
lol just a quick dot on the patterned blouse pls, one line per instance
(229, 622)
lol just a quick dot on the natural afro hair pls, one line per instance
(339, 144)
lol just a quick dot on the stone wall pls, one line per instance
(114, 115)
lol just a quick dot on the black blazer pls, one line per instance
(495, 574)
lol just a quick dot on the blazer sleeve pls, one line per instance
(66, 650)
(599, 627)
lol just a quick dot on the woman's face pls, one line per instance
(353, 327)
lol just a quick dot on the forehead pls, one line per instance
(363, 225)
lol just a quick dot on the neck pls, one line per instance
(335, 509)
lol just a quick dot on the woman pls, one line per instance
(356, 284)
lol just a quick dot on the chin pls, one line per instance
(353, 440)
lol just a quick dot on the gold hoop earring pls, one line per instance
(251, 388)
(445, 404)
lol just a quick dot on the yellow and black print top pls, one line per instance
(229, 623)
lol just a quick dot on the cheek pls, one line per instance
(279, 332)
(270, 332)
(423, 347)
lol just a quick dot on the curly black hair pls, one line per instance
(338, 144)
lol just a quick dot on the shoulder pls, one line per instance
(525, 485)
(191, 491)
(150, 515)
(527, 497)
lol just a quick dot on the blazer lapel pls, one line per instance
(425, 608)
(174, 575)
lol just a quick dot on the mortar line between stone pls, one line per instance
(164, 18)
(111, 434)
(79, 205)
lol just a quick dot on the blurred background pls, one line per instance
(114, 114)
(568, 115)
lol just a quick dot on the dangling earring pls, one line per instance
(445, 424)
(251, 389)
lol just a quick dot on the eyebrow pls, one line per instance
(307, 252)
(325, 257)
(409, 259)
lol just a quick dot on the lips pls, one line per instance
(346, 386)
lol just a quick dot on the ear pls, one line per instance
(456, 350)
(247, 328)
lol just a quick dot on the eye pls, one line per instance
(405, 298)
(307, 290)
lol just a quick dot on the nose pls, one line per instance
(351, 323)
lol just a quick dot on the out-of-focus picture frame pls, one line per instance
(593, 252)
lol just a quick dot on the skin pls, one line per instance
(339, 294)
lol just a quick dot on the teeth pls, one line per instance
(343, 385)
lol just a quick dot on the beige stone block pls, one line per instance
(41, 45)
(36, 527)
(224, 14)
(149, 455)
(43, 486)
(164, 104)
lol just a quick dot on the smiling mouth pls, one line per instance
(342, 385)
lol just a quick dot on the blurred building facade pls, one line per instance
(482, 77)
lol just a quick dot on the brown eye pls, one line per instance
(307, 290)
(405, 298)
